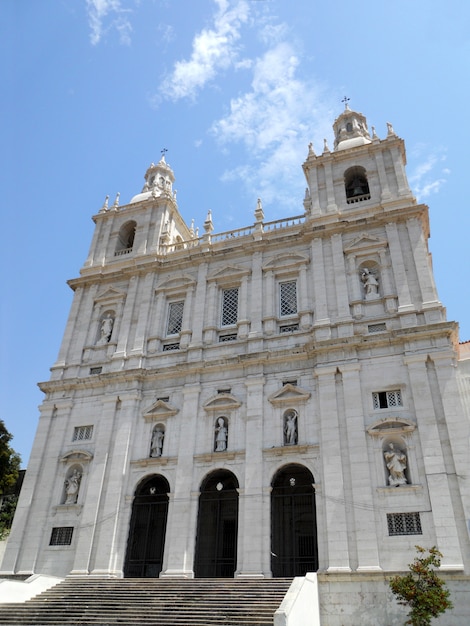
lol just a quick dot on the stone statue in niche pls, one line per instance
(290, 428)
(220, 435)
(72, 486)
(370, 282)
(395, 460)
(156, 445)
(106, 330)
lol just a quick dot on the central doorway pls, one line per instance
(144, 556)
(217, 527)
(293, 523)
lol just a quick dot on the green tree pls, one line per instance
(422, 589)
(9, 470)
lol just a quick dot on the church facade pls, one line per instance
(279, 399)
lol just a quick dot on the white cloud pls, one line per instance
(274, 123)
(214, 49)
(114, 14)
(428, 175)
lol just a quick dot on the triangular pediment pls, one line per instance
(111, 294)
(388, 425)
(229, 272)
(177, 283)
(285, 262)
(81, 456)
(289, 394)
(222, 402)
(365, 243)
(161, 410)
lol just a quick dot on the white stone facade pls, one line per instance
(304, 345)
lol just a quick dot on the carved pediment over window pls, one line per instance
(176, 284)
(289, 394)
(285, 263)
(159, 411)
(222, 402)
(228, 274)
(82, 456)
(365, 244)
(389, 425)
(111, 294)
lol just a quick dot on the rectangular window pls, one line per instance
(404, 524)
(386, 399)
(61, 536)
(288, 298)
(175, 318)
(291, 328)
(377, 328)
(170, 347)
(229, 307)
(82, 433)
(231, 337)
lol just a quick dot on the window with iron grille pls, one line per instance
(387, 399)
(169, 347)
(229, 307)
(288, 298)
(231, 337)
(376, 328)
(175, 318)
(404, 524)
(61, 536)
(82, 433)
(291, 328)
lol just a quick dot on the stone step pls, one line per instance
(89, 601)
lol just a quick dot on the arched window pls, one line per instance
(126, 238)
(356, 185)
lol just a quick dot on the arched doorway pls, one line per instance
(217, 525)
(144, 557)
(293, 523)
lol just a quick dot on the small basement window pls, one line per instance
(404, 524)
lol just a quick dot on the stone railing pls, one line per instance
(259, 229)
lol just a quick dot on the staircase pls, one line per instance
(148, 602)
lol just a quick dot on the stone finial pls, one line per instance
(311, 151)
(325, 146)
(390, 131)
(116, 201)
(374, 134)
(259, 213)
(105, 205)
(208, 225)
(191, 229)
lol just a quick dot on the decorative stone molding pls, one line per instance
(221, 402)
(289, 394)
(160, 411)
(77, 456)
(389, 425)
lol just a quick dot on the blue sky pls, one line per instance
(235, 90)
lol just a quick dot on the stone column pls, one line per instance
(440, 492)
(32, 524)
(405, 304)
(145, 300)
(199, 312)
(304, 312)
(125, 325)
(314, 193)
(361, 496)
(251, 541)
(384, 188)
(211, 321)
(336, 530)
(341, 285)
(182, 513)
(330, 191)
(105, 510)
(403, 187)
(243, 322)
(269, 315)
(422, 263)
(319, 284)
(69, 330)
(187, 317)
(256, 300)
